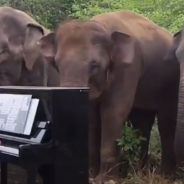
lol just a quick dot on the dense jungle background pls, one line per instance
(166, 13)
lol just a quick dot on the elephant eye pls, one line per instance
(94, 66)
(4, 50)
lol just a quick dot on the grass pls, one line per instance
(145, 177)
(149, 175)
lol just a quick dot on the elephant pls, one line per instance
(176, 52)
(21, 62)
(120, 57)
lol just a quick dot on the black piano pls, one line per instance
(57, 146)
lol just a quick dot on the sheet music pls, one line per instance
(31, 116)
(13, 112)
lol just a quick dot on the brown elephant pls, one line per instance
(21, 62)
(176, 52)
(120, 57)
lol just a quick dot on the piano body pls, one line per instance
(58, 143)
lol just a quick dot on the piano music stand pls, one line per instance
(67, 150)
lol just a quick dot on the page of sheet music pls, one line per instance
(31, 116)
(13, 112)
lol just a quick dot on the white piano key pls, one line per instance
(9, 150)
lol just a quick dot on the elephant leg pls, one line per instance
(143, 121)
(116, 104)
(94, 140)
(110, 153)
(111, 161)
(166, 125)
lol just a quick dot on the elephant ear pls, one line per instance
(47, 46)
(126, 63)
(123, 49)
(124, 74)
(171, 53)
(33, 34)
(125, 67)
(179, 50)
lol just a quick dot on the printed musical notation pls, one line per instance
(14, 110)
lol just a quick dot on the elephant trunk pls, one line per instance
(179, 137)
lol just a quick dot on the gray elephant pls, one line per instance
(21, 62)
(176, 52)
(120, 57)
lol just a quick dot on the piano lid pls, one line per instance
(42, 88)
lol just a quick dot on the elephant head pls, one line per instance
(87, 54)
(176, 52)
(21, 62)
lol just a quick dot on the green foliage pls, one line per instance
(154, 149)
(166, 13)
(47, 12)
(130, 143)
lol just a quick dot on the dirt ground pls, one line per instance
(17, 175)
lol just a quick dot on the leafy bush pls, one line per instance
(130, 143)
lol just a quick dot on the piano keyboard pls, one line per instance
(9, 150)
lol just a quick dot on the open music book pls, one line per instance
(17, 113)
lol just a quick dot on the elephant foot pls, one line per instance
(169, 174)
(97, 180)
(93, 172)
(106, 177)
(112, 170)
(168, 169)
(101, 180)
(109, 172)
(92, 181)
